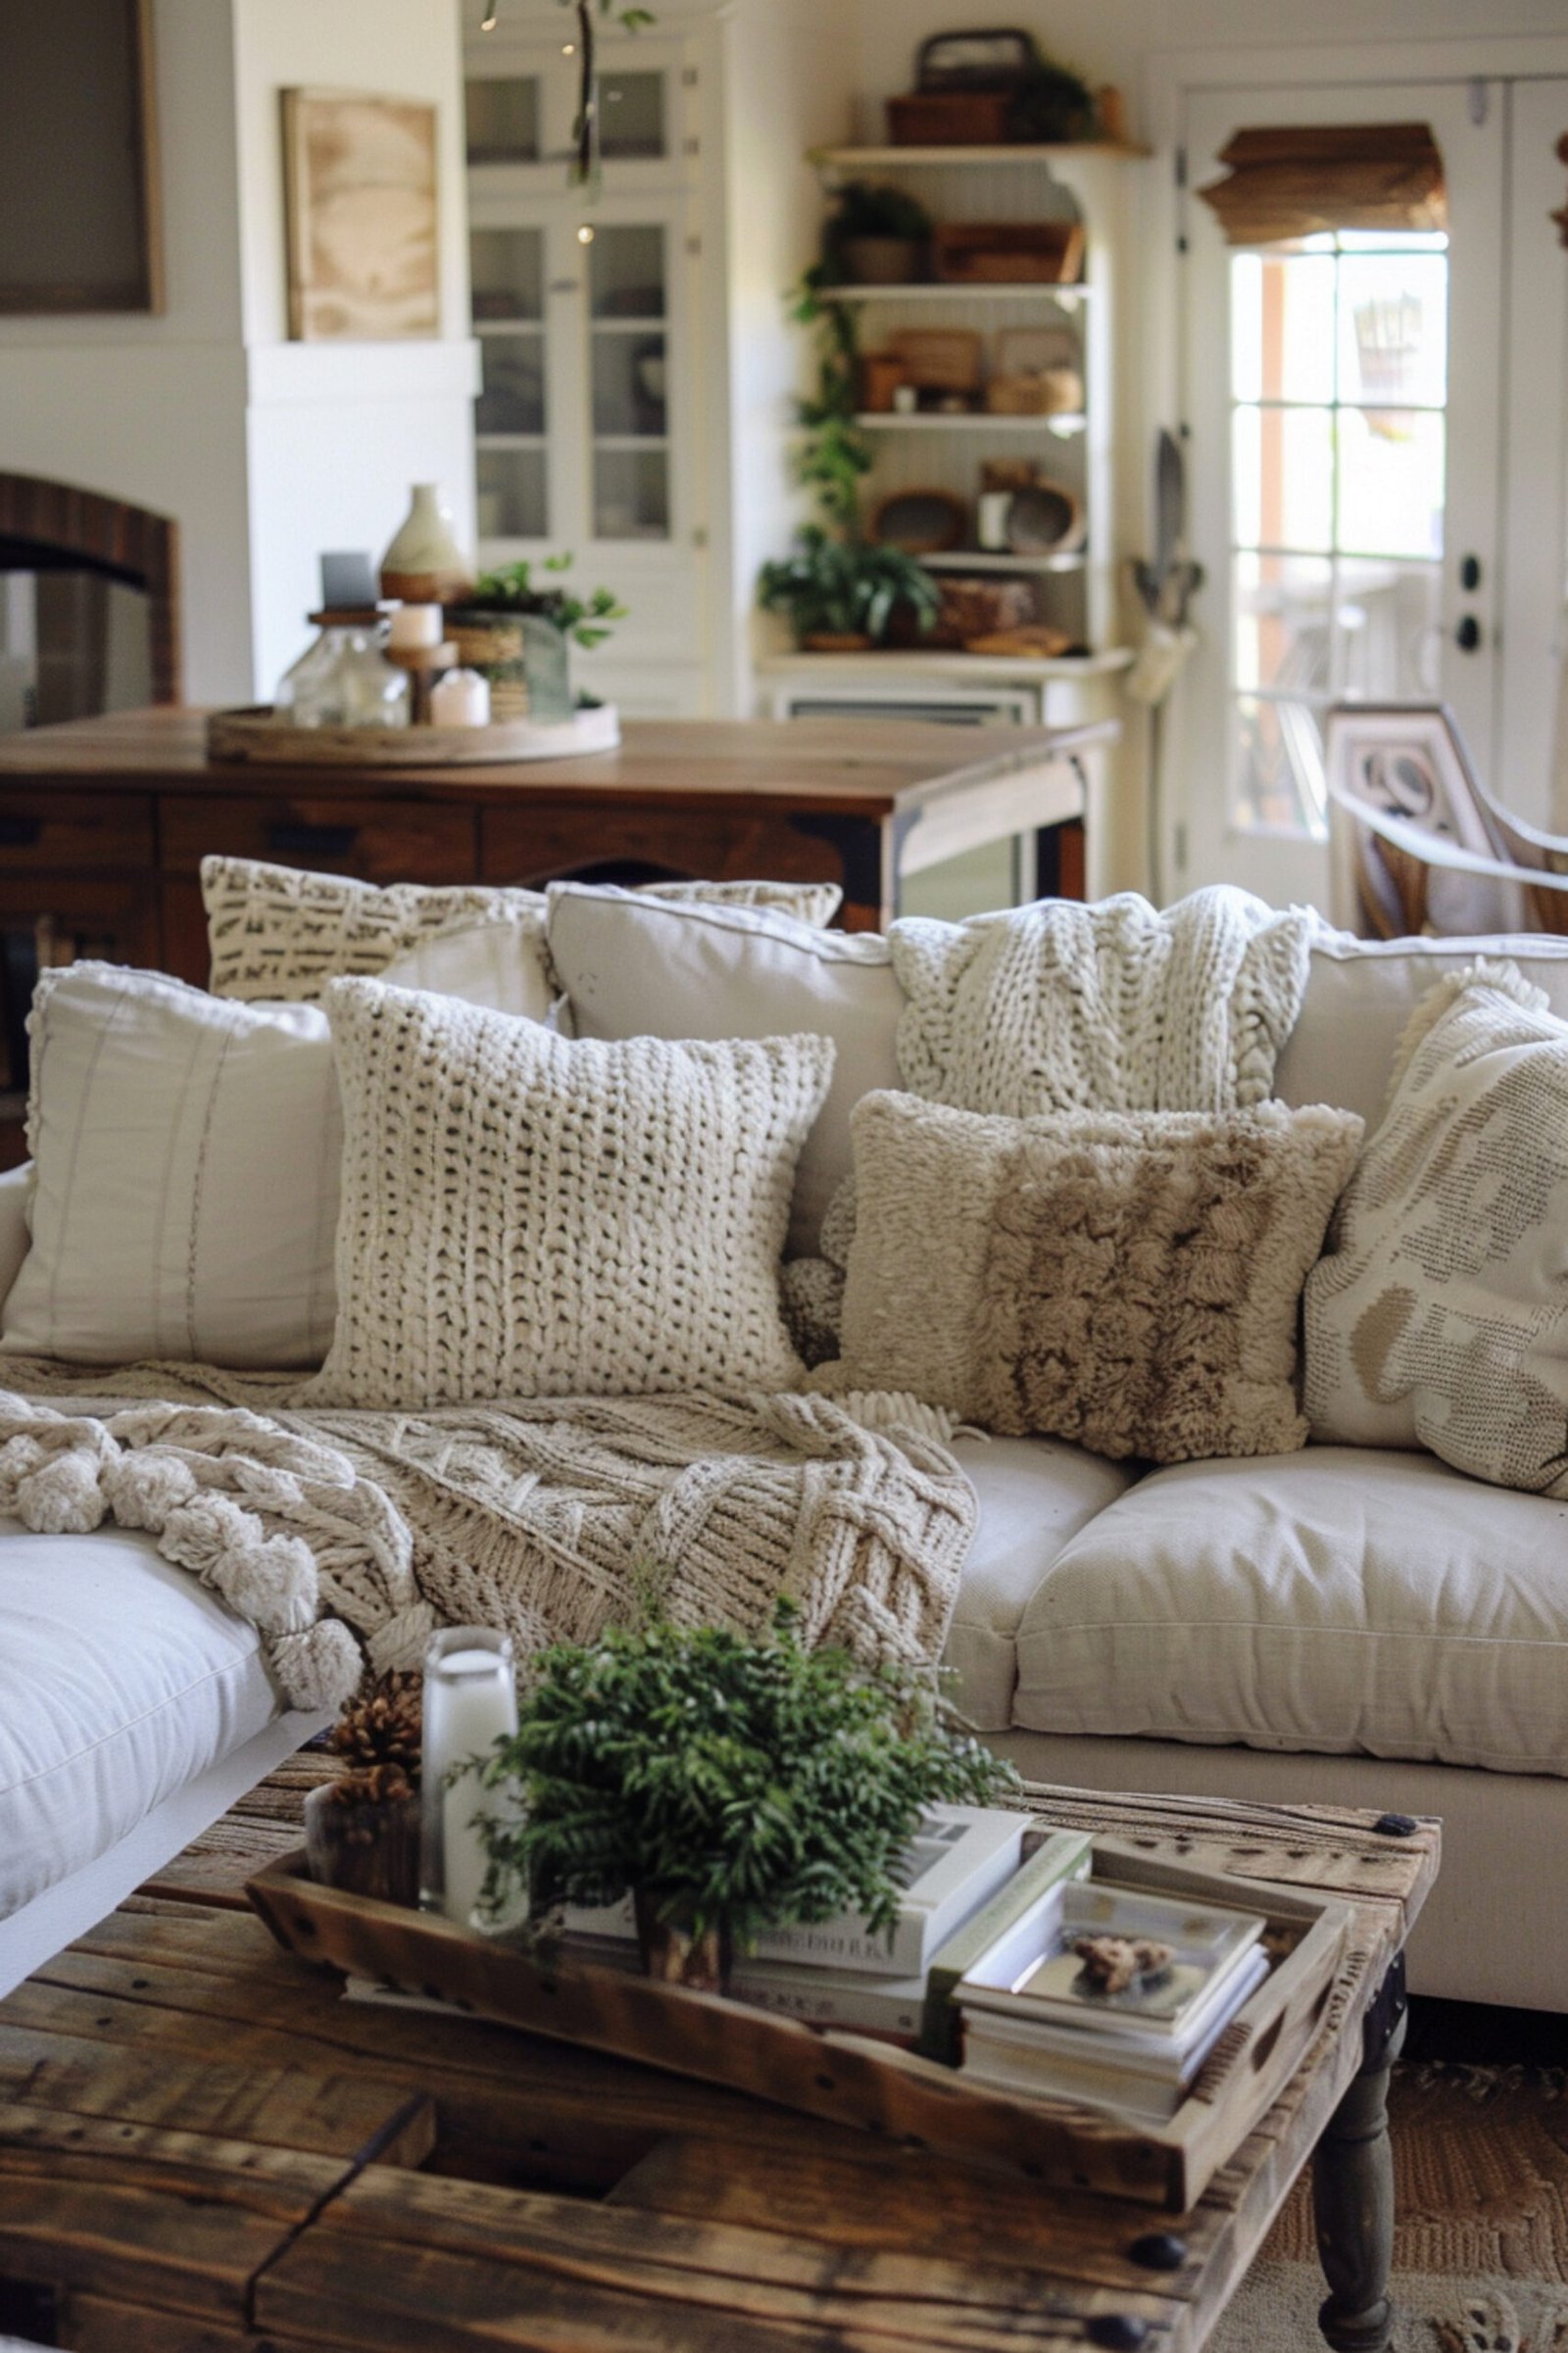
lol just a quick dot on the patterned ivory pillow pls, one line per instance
(1131, 1281)
(281, 934)
(530, 1215)
(1439, 1315)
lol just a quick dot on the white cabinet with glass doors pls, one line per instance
(588, 420)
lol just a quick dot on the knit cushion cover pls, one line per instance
(279, 932)
(529, 1216)
(1131, 1281)
(1439, 1315)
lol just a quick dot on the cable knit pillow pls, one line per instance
(276, 932)
(185, 1176)
(529, 1216)
(1439, 1316)
(1131, 1281)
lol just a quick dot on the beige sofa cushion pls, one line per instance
(643, 967)
(1035, 1495)
(1362, 992)
(1334, 1599)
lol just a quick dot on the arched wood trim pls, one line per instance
(130, 543)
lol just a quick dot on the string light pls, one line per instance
(487, 23)
(586, 235)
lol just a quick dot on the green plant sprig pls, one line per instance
(588, 619)
(846, 587)
(740, 1782)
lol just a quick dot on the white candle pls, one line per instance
(461, 698)
(413, 626)
(470, 1702)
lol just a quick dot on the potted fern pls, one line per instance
(731, 1783)
(517, 632)
(843, 596)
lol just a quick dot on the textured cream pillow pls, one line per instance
(528, 1215)
(277, 932)
(1130, 1281)
(1439, 1316)
(185, 1176)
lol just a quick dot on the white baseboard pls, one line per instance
(64, 1911)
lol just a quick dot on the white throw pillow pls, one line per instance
(525, 1216)
(639, 967)
(186, 1156)
(1439, 1314)
(484, 963)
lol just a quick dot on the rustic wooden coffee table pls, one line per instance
(204, 2148)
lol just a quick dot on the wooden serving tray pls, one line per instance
(257, 736)
(847, 2078)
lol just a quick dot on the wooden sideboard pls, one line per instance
(104, 823)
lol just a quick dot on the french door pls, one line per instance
(1369, 433)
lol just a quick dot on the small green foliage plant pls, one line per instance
(830, 587)
(733, 1783)
(867, 208)
(588, 619)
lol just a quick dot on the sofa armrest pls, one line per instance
(16, 1239)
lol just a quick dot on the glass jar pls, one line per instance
(343, 679)
(470, 1702)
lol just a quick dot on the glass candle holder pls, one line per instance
(470, 1702)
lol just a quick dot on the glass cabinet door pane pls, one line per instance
(512, 397)
(509, 498)
(507, 267)
(630, 395)
(503, 120)
(626, 272)
(631, 115)
(631, 494)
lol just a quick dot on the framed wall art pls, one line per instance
(78, 161)
(360, 189)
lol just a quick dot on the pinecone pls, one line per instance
(372, 1784)
(384, 1728)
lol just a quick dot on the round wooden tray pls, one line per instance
(256, 736)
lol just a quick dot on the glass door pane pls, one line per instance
(628, 383)
(632, 117)
(502, 119)
(510, 413)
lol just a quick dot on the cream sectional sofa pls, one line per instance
(1337, 1626)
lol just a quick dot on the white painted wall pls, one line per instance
(265, 452)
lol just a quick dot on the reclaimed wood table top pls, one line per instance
(204, 2145)
(868, 766)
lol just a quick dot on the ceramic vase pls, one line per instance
(425, 564)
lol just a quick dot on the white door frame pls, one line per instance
(1154, 395)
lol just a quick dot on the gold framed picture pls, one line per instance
(360, 185)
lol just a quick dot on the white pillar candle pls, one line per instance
(413, 626)
(461, 698)
(470, 1702)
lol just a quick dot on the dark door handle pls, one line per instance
(1469, 574)
(1467, 637)
(312, 840)
(19, 833)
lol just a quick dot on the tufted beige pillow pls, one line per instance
(279, 933)
(1439, 1316)
(528, 1215)
(1131, 1281)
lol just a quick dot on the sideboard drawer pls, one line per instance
(70, 830)
(377, 841)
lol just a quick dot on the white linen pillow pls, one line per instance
(282, 933)
(528, 1215)
(635, 967)
(186, 1188)
(484, 963)
(1437, 1315)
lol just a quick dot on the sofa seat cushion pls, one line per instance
(121, 1680)
(1336, 1600)
(1035, 1495)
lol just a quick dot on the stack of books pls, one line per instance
(961, 1887)
(1108, 1996)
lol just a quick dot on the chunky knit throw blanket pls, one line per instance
(1063, 1006)
(348, 1536)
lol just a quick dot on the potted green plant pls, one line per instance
(515, 633)
(732, 1783)
(845, 595)
(878, 237)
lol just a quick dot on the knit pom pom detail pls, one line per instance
(144, 1490)
(197, 1536)
(271, 1581)
(321, 1668)
(62, 1497)
(18, 1458)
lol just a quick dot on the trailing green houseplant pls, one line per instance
(847, 590)
(515, 630)
(731, 1783)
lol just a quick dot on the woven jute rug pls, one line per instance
(1480, 2237)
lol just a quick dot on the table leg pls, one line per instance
(1353, 2188)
